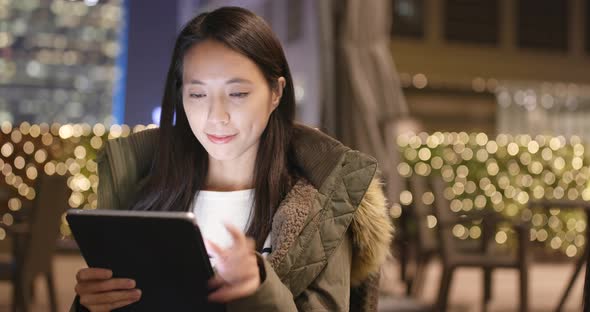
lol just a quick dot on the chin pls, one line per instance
(221, 154)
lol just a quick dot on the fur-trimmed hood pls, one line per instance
(370, 228)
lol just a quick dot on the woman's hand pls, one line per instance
(237, 269)
(100, 292)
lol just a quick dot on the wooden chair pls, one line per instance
(486, 258)
(34, 242)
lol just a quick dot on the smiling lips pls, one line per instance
(220, 139)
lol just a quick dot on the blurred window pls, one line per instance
(472, 21)
(408, 18)
(542, 24)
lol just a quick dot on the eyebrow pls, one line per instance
(230, 81)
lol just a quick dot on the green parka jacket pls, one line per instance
(330, 234)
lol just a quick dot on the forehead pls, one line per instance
(214, 60)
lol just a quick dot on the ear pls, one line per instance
(277, 92)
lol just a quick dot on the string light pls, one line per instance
(504, 174)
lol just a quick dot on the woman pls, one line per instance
(293, 219)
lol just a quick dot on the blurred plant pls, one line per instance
(504, 175)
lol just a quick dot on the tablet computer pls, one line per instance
(162, 251)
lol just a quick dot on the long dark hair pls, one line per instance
(169, 187)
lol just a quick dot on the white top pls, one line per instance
(213, 209)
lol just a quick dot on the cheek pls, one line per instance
(257, 117)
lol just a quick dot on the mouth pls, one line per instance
(220, 139)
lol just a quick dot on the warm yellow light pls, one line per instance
(23, 189)
(436, 162)
(422, 169)
(493, 168)
(6, 127)
(44, 128)
(482, 155)
(139, 128)
(522, 198)
(404, 169)
(77, 130)
(424, 154)
(456, 205)
(66, 131)
(542, 235)
(459, 230)
(96, 142)
(467, 204)
(577, 163)
(428, 198)
(7, 149)
(28, 147)
(410, 154)
(50, 168)
(80, 152)
(480, 201)
(7, 219)
(395, 211)
(579, 150)
(14, 204)
(475, 232)
(420, 81)
(512, 149)
(16, 136)
(25, 127)
(538, 192)
(501, 237)
(462, 171)
(35, 131)
(30, 195)
(47, 139)
(115, 131)
(99, 130)
(32, 173)
(554, 144)
(571, 251)
(19, 162)
(405, 197)
(431, 220)
(61, 168)
(533, 147)
(40, 156)
(481, 139)
(556, 242)
(125, 131)
(6, 169)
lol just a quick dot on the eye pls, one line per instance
(196, 95)
(239, 94)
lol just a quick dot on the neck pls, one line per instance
(230, 175)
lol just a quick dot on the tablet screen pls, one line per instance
(162, 251)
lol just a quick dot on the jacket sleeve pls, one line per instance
(330, 290)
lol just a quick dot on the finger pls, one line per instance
(229, 293)
(93, 274)
(111, 306)
(246, 268)
(91, 287)
(110, 297)
(214, 249)
(236, 234)
(215, 282)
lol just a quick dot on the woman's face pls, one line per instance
(227, 100)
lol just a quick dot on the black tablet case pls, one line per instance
(166, 257)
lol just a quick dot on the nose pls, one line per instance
(218, 112)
